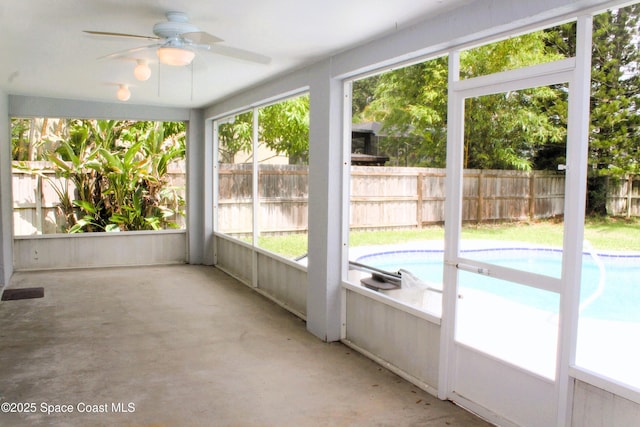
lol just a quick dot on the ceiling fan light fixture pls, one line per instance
(175, 56)
(123, 93)
(142, 71)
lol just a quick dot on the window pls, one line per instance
(235, 176)
(283, 166)
(76, 175)
(610, 296)
(273, 157)
(525, 50)
(398, 153)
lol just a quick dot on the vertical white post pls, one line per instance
(215, 193)
(6, 197)
(575, 201)
(210, 190)
(39, 220)
(347, 104)
(629, 194)
(452, 222)
(325, 204)
(195, 187)
(255, 195)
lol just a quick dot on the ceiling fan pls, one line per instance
(176, 41)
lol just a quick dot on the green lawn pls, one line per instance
(617, 234)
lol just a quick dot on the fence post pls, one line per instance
(532, 195)
(38, 196)
(629, 194)
(480, 198)
(419, 184)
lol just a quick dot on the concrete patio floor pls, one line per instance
(186, 346)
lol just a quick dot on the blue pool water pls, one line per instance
(619, 301)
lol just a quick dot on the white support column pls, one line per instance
(6, 198)
(208, 184)
(325, 205)
(196, 160)
(215, 190)
(453, 215)
(347, 106)
(575, 203)
(255, 195)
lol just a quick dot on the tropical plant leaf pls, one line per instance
(85, 205)
(131, 153)
(112, 162)
(79, 226)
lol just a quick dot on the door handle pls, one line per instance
(473, 268)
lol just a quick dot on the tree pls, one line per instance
(524, 129)
(501, 131)
(32, 138)
(235, 136)
(615, 87)
(411, 103)
(614, 136)
(283, 128)
(363, 94)
(20, 139)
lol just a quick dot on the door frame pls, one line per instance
(556, 395)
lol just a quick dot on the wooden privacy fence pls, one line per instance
(284, 194)
(384, 197)
(414, 197)
(623, 196)
(381, 197)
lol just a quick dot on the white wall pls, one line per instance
(400, 339)
(34, 106)
(595, 407)
(93, 250)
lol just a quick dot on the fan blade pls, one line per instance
(110, 34)
(200, 37)
(240, 54)
(129, 51)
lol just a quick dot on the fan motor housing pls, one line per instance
(177, 23)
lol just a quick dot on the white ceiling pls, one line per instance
(46, 53)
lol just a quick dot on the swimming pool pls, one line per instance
(618, 301)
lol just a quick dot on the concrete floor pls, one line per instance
(186, 346)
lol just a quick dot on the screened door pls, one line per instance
(505, 285)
